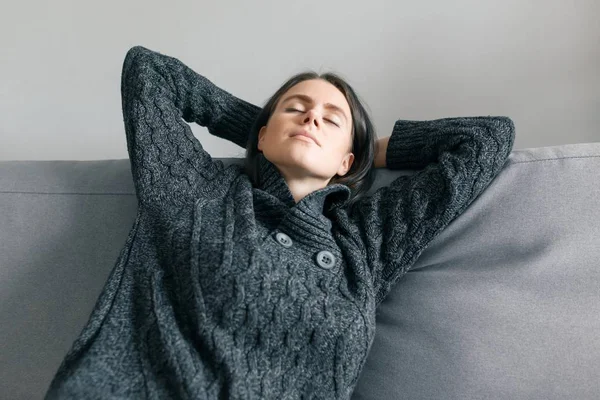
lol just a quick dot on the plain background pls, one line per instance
(536, 61)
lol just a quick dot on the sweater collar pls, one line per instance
(272, 181)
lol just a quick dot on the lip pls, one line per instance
(303, 132)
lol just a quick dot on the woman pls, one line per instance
(262, 281)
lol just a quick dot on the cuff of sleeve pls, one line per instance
(236, 117)
(411, 144)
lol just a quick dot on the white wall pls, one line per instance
(535, 61)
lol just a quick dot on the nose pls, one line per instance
(311, 117)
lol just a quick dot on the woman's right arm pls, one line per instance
(159, 95)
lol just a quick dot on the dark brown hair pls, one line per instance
(360, 177)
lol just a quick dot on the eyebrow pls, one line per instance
(310, 100)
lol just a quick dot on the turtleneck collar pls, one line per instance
(272, 182)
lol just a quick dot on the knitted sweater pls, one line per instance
(225, 290)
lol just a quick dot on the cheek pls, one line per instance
(344, 146)
(276, 123)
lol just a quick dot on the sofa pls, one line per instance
(503, 304)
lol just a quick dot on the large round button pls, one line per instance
(283, 239)
(325, 259)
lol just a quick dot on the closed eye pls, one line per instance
(328, 120)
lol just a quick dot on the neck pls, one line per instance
(302, 186)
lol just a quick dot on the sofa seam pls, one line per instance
(67, 193)
(552, 159)
(133, 194)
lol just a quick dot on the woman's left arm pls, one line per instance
(458, 157)
(380, 152)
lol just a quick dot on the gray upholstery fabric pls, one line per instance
(504, 304)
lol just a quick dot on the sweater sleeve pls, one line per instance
(159, 95)
(458, 157)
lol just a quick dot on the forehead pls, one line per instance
(321, 92)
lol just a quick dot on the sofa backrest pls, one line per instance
(503, 304)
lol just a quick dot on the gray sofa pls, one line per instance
(504, 304)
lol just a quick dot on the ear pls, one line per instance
(346, 164)
(261, 135)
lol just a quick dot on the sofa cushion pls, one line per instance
(62, 226)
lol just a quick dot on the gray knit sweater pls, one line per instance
(228, 291)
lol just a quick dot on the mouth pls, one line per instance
(305, 134)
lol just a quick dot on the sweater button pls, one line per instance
(325, 259)
(283, 239)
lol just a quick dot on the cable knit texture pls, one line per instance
(225, 290)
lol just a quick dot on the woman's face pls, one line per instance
(319, 108)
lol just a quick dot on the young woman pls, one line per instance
(261, 281)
